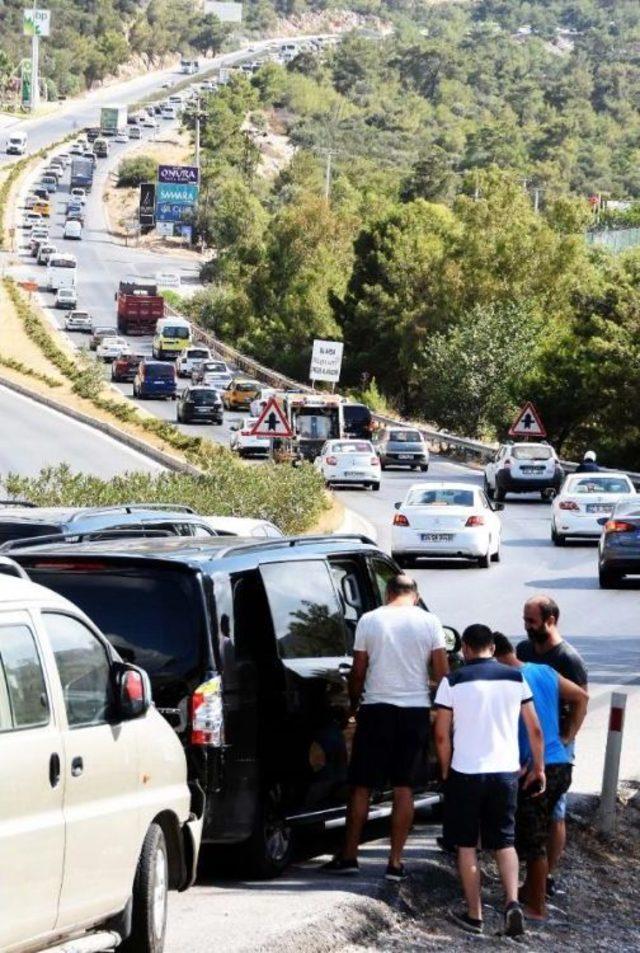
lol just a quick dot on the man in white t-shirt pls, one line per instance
(480, 705)
(389, 689)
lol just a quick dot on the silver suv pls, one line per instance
(97, 819)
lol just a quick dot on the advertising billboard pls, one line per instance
(178, 174)
(177, 194)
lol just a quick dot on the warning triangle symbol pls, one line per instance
(272, 421)
(527, 423)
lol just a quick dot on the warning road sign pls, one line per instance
(528, 423)
(272, 422)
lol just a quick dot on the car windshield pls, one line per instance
(531, 452)
(352, 446)
(196, 355)
(180, 333)
(440, 497)
(405, 436)
(600, 484)
(152, 617)
(247, 386)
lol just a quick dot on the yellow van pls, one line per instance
(172, 337)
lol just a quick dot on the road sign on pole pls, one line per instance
(528, 423)
(272, 422)
(326, 360)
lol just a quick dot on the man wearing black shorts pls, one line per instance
(480, 705)
(389, 689)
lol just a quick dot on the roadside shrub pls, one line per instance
(132, 172)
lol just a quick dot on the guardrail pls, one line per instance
(440, 441)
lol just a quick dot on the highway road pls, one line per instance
(34, 436)
(76, 113)
(602, 624)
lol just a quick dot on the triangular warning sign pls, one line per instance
(527, 423)
(272, 422)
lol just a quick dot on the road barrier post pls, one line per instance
(608, 797)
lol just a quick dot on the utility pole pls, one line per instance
(35, 56)
(536, 201)
(327, 177)
(197, 133)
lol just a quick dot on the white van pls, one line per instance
(17, 144)
(97, 821)
(61, 272)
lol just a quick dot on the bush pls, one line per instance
(132, 172)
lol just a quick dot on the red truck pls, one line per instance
(139, 307)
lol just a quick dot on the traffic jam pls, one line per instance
(163, 694)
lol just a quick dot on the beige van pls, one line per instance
(97, 822)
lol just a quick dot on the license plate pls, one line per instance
(533, 469)
(354, 473)
(405, 456)
(436, 537)
(599, 508)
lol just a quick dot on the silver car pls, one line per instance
(401, 447)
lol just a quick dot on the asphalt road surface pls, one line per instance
(33, 436)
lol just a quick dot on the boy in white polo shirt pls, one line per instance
(480, 706)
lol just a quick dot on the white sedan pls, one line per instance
(244, 443)
(446, 521)
(111, 347)
(349, 461)
(79, 321)
(585, 501)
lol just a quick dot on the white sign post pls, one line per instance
(36, 23)
(326, 361)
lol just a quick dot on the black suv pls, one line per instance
(248, 646)
(199, 404)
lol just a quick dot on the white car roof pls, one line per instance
(23, 591)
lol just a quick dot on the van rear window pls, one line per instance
(153, 617)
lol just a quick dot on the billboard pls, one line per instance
(147, 203)
(326, 361)
(173, 212)
(226, 12)
(177, 194)
(36, 22)
(179, 174)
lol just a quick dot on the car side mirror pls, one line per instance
(497, 507)
(397, 505)
(133, 691)
(453, 642)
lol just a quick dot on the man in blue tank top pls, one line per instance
(534, 814)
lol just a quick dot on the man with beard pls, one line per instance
(545, 646)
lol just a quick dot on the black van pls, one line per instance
(358, 422)
(248, 646)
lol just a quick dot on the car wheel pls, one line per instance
(268, 850)
(424, 467)
(484, 562)
(375, 486)
(557, 538)
(496, 557)
(608, 578)
(150, 894)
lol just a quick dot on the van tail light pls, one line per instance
(568, 505)
(375, 462)
(475, 521)
(332, 461)
(618, 526)
(207, 717)
(400, 520)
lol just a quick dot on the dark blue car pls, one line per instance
(155, 379)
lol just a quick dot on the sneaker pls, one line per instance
(396, 874)
(462, 919)
(341, 866)
(513, 920)
(554, 889)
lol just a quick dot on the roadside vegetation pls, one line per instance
(451, 256)
(294, 498)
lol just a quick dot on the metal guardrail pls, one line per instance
(440, 441)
